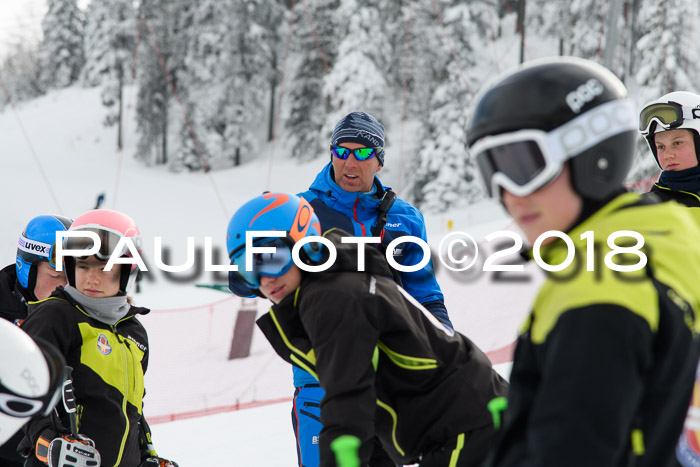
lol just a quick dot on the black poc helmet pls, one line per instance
(529, 123)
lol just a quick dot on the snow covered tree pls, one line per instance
(445, 175)
(226, 74)
(20, 74)
(358, 77)
(577, 25)
(110, 39)
(157, 63)
(415, 35)
(307, 103)
(61, 53)
(269, 16)
(667, 55)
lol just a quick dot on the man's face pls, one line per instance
(555, 206)
(675, 149)
(47, 279)
(277, 288)
(353, 175)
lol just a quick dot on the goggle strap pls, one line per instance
(34, 247)
(598, 124)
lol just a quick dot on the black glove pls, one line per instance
(68, 450)
(157, 462)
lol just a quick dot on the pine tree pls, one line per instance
(61, 53)
(266, 38)
(110, 41)
(358, 77)
(416, 37)
(154, 92)
(227, 71)
(307, 102)
(577, 25)
(445, 174)
(20, 72)
(666, 50)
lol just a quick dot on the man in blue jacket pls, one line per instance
(347, 194)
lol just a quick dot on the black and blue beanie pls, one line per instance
(361, 128)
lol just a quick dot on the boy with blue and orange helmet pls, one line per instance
(388, 367)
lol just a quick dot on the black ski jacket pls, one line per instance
(388, 367)
(12, 307)
(109, 363)
(604, 366)
(687, 198)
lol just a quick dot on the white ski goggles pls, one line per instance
(524, 161)
(109, 240)
(667, 115)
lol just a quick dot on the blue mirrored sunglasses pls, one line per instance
(361, 154)
(264, 264)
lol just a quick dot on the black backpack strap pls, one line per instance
(385, 204)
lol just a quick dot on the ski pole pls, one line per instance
(69, 402)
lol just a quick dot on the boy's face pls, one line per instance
(555, 206)
(47, 279)
(675, 149)
(277, 288)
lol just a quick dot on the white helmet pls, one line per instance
(678, 110)
(31, 377)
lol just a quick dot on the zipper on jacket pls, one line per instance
(354, 213)
(125, 396)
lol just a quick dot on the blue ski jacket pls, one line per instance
(356, 213)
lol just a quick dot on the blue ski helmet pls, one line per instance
(37, 243)
(271, 212)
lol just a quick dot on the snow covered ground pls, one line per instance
(57, 157)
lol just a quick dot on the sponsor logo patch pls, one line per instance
(103, 345)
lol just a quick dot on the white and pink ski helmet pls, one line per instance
(110, 226)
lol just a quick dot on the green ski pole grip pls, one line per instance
(346, 449)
